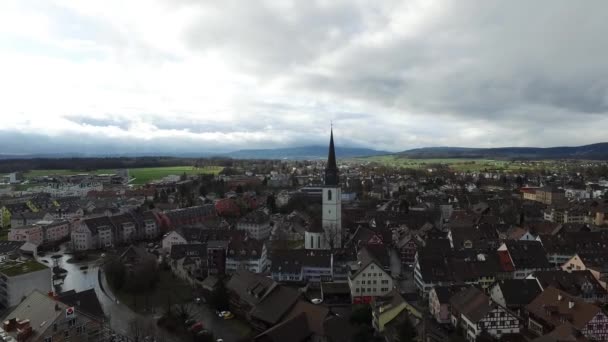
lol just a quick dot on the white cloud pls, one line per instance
(392, 75)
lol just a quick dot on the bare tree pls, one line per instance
(140, 327)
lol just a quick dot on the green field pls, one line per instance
(456, 164)
(145, 175)
(142, 175)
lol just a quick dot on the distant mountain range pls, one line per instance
(293, 153)
(303, 153)
(597, 151)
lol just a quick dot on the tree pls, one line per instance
(183, 177)
(220, 299)
(406, 331)
(361, 315)
(140, 327)
(363, 334)
(116, 273)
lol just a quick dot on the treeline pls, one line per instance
(89, 164)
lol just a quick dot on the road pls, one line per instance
(120, 315)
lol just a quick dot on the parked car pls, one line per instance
(196, 327)
(228, 315)
(316, 300)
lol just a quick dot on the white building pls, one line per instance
(369, 281)
(256, 224)
(172, 238)
(247, 254)
(19, 278)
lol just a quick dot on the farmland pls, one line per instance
(139, 175)
(145, 175)
(458, 164)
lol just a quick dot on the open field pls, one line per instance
(144, 175)
(459, 164)
(141, 175)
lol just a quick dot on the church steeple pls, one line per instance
(331, 170)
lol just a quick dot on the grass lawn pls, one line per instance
(40, 173)
(147, 174)
(170, 290)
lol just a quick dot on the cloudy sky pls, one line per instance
(192, 75)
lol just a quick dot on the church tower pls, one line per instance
(332, 201)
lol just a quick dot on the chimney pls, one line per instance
(570, 304)
(11, 324)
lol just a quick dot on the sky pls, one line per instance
(166, 76)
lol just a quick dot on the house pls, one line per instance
(580, 284)
(19, 278)
(93, 233)
(249, 254)
(525, 257)
(189, 261)
(515, 294)
(256, 224)
(29, 218)
(10, 249)
(407, 247)
(40, 317)
(369, 280)
(259, 299)
(190, 215)
(553, 308)
(386, 308)
(30, 233)
(172, 238)
(302, 265)
(439, 302)
(475, 312)
(596, 263)
(55, 231)
(85, 301)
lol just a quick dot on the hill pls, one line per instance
(597, 151)
(302, 153)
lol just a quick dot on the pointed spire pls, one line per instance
(331, 158)
(331, 170)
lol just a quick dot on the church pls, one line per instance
(328, 235)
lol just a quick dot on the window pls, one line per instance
(72, 322)
(498, 331)
(369, 289)
(312, 243)
(66, 333)
(357, 290)
(328, 195)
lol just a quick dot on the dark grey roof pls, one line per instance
(528, 254)
(188, 250)
(576, 283)
(519, 292)
(295, 329)
(85, 301)
(275, 305)
(7, 247)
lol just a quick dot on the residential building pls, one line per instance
(302, 265)
(387, 308)
(369, 280)
(29, 218)
(439, 302)
(249, 254)
(515, 294)
(256, 224)
(553, 308)
(475, 312)
(581, 284)
(30, 233)
(18, 278)
(524, 257)
(259, 299)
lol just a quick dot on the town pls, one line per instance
(318, 250)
